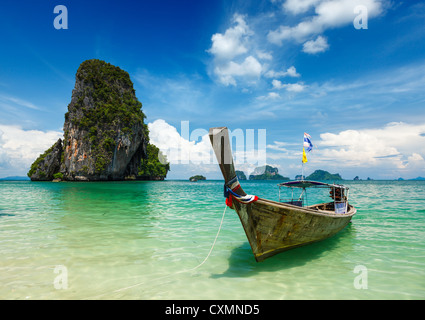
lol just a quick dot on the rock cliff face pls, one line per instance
(47, 164)
(266, 173)
(105, 137)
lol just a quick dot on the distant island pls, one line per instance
(266, 173)
(196, 178)
(322, 175)
(105, 137)
(15, 178)
(241, 175)
(415, 179)
(356, 178)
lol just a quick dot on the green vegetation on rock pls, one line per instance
(36, 164)
(58, 175)
(197, 177)
(47, 164)
(322, 175)
(113, 96)
(155, 165)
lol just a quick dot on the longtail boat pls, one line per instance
(274, 226)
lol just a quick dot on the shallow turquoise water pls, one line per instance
(140, 240)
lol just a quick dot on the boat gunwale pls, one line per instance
(309, 210)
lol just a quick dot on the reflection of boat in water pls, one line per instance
(272, 227)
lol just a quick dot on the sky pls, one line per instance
(350, 73)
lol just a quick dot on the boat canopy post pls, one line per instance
(346, 201)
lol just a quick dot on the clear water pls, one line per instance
(140, 240)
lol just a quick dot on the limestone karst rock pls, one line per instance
(105, 137)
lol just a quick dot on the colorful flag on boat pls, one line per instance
(307, 142)
(304, 156)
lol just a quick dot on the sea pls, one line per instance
(174, 240)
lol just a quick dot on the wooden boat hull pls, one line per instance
(272, 227)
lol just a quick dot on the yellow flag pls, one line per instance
(304, 156)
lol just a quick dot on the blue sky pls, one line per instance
(288, 67)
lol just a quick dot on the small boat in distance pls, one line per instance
(271, 226)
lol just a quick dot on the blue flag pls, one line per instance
(308, 145)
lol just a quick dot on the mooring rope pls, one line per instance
(179, 272)
(215, 240)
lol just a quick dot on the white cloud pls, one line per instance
(19, 148)
(19, 102)
(391, 151)
(269, 96)
(277, 84)
(277, 36)
(3, 157)
(299, 6)
(191, 151)
(250, 68)
(235, 56)
(179, 149)
(233, 42)
(316, 46)
(186, 157)
(282, 148)
(264, 55)
(397, 146)
(291, 87)
(290, 72)
(328, 14)
(241, 58)
(295, 87)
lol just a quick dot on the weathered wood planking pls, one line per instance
(275, 227)
(272, 227)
